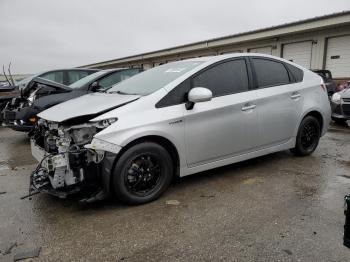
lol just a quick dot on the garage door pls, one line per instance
(299, 53)
(261, 50)
(338, 56)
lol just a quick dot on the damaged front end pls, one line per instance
(68, 161)
(19, 113)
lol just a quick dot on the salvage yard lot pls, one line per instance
(273, 208)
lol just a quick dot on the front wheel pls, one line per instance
(308, 137)
(142, 173)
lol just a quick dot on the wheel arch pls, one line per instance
(164, 142)
(107, 176)
(317, 115)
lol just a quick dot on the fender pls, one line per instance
(325, 120)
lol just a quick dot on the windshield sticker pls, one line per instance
(175, 70)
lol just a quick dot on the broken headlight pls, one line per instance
(106, 122)
(336, 97)
(101, 145)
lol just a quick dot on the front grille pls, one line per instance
(346, 100)
(337, 110)
(346, 109)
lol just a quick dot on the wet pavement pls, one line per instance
(273, 208)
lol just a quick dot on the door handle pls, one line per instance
(295, 95)
(247, 107)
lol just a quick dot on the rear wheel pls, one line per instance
(142, 173)
(308, 137)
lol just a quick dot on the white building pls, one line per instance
(316, 43)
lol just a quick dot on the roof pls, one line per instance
(345, 14)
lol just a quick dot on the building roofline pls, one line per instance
(206, 42)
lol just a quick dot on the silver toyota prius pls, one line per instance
(177, 119)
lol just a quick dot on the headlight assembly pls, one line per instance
(106, 122)
(101, 145)
(336, 97)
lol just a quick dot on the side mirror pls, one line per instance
(94, 86)
(197, 95)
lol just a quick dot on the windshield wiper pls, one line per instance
(121, 93)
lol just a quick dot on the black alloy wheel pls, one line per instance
(308, 136)
(142, 173)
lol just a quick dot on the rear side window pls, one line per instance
(297, 73)
(225, 78)
(270, 73)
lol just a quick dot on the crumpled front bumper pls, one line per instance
(338, 110)
(96, 185)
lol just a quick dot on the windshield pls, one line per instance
(154, 79)
(86, 79)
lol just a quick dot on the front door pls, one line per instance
(226, 125)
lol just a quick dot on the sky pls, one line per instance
(38, 35)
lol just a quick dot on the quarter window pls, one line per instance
(297, 73)
(223, 79)
(270, 73)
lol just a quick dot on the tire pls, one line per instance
(308, 136)
(142, 161)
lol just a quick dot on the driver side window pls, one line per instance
(56, 76)
(225, 78)
(116, 77)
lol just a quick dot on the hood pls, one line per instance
(90, 105)
(45, 102)
(42, 84)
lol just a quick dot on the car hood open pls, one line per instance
(90, 106)
(41, 83)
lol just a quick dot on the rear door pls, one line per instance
(227, 125)
(279, 101)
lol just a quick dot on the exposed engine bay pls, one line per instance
(66, 165)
